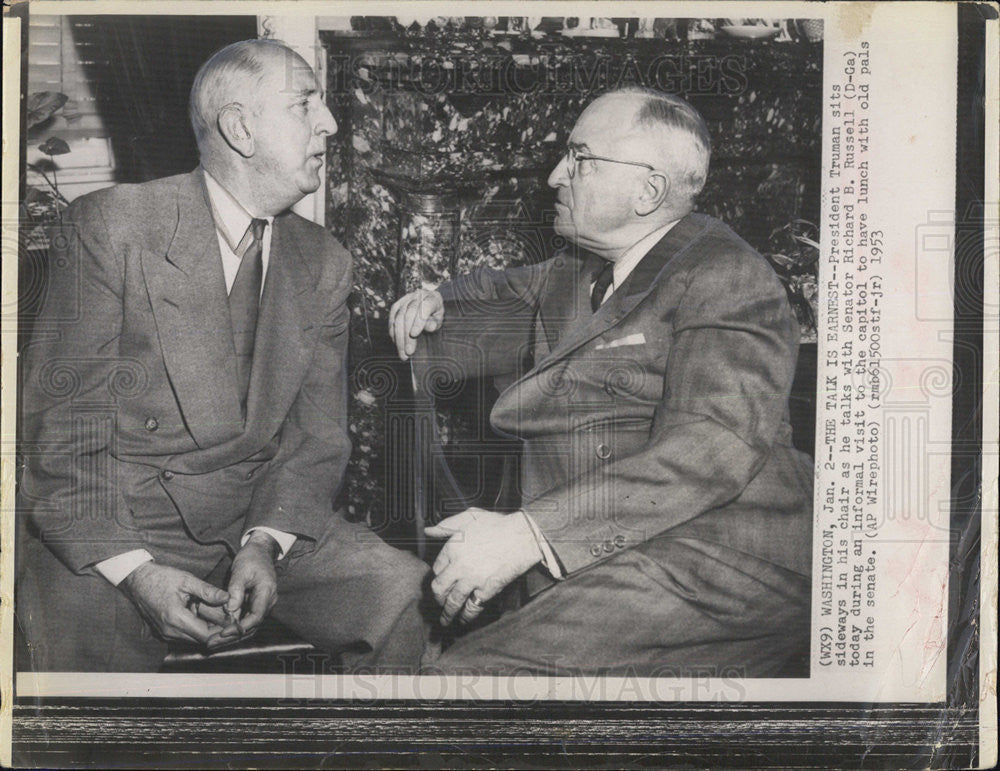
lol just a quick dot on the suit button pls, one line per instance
(619, 541)
(595, 550)
(152, 424)
(609, 547)
(250, 474)
(167, 475)
(603, 451)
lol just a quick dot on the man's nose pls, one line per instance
(326, 123)
(560, 174)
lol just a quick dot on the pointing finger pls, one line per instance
(439, 531)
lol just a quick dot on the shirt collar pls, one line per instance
(231, 218)
(634, 254)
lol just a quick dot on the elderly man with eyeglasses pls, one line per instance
(665, 521)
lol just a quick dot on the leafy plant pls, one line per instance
(43, 204)
(794, 252)
(42, 105)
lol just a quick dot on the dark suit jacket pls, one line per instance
(662, 414)
(130, 398)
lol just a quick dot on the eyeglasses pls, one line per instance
(573, 158)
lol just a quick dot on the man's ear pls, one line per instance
(234, 129)
(654, 193)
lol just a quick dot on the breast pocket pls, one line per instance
(626, 372)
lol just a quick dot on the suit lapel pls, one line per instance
(187, 291)
(645, 275)
(586, 326)
(565, 303)
(281, 354)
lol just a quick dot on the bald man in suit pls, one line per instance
(665, 522)
(184, 406)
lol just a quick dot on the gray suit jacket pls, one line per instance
(663, 414)
(130, 396)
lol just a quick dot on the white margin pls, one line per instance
(990, 500)
(8, 370)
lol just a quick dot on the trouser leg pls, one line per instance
(694, 610)
(353, 594)
(74, 623)
(349, 593)
(82, 623)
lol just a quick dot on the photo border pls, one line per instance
(219, 733)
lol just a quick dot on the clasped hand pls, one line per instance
(484, 553)
(180, 606)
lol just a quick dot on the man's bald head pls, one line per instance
(675, 132)
(262, 124)
(234, 74)
(635, 161)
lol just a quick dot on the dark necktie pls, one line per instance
(244, 299)
(602, 278)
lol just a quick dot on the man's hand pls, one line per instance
(172, 600)
(412, 315)
(252, 582)
(484, 553)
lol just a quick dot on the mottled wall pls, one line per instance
(446, 139)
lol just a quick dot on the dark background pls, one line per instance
(142, 68)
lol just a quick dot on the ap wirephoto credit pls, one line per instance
(410, 369)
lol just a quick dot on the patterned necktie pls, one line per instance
(602, 278)
(244, 299)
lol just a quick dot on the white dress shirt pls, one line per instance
(622, 270)
(232, 225)
(633, 256)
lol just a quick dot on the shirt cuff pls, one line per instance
(549, 561)
(285, 540)
(116, 569)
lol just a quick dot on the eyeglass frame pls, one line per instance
(573, 157)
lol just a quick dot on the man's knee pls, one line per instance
(389, 563)
(82, 625)
(401, 572)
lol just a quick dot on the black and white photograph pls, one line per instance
(394, 363)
